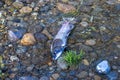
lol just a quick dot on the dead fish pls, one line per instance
(59, 43)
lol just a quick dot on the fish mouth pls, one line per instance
(55, 57)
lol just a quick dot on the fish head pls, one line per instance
(57, 51)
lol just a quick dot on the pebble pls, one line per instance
(63, 74)
(16, 33)
(40, 37)
(44, 78)
(90, 42)
(85, 62)
(118, 46)
(25, 9)
(21, 49)
(28, 39)
(55, 76)
(117, 7)
(14, 58)
(82, 74)
(28, 78)
(72, 73)
(84, 24)
(30, 68)
(61, 63)
(2, 49)
(18, 4)
(1, 3)
(113, 75)
(65, 8)
(103, 67)
(96, 77)
(47, 34)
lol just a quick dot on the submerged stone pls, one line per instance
(16, 34)
(103, 67)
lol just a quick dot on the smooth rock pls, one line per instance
(28, 39)
(41, 37)
(61, 63)
(96, 77)
(113, 75)
(90, 42)
(18, 4)
(14, 58)
(117, 7)
(103, 67)
(72, 73)
(28, 78)
(82, 74)
(21, 49)
(16, 33)
(55, 76)
(25, 9)
(63, 74)
(30, 68)
(44, 78)
(47, 34)
(65, 8)
(85, 62)
(84, 24)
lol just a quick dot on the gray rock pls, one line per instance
(28, 78)
(117, 7)
(96, 77)
(61, 63)
(30, 68)
(55, 76)
(41, 37)
(90, 42)
(113, 75)
(44, 78)
(21, 49)
(103, 67)
(84, 24)
(82, 74)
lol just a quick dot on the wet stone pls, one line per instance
(55, 76)
(63, 74)
(82, 74)
(65, 8)
(35, 28)
(18, 4)
(41, 37)
(113, 75)
(28, 39)
(28, 78)
(96, 77)
(2, 49)
(72, 73)
(84, 24)
(117, 7)
(44, 78)
(25, 9)
(90, 42)
(103, 67)
(61, 63)
(16, 34)
(1, 3)
(21, 49)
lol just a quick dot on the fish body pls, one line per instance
(60, 40)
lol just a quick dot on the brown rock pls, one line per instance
(96, 77)
(25, 9)
(18, 4)
(65, 8)
(90, 42)
(28, 39)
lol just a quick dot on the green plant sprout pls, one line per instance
(72, 58)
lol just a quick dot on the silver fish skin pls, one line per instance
(60, 40)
